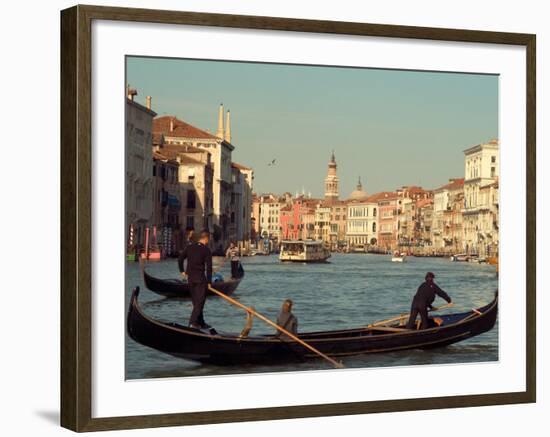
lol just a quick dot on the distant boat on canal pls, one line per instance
(303, 251)
(460, 257)
(398, 257)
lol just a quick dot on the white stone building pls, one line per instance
(269, 210)
(361, 223)
(481, 166)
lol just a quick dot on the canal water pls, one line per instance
(349, 291)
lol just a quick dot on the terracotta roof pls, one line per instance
(188, 160)
(452, 185)
(312, 202)
(181, 128)
(160, 157)
(158, 138)
(413, 188)
(384, 195)
(424, 202)
(328, 203)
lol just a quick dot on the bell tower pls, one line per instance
(331, 181)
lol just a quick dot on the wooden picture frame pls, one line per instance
(76, 217)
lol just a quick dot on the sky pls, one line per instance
(390, 127)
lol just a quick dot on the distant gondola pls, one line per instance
(179, 288)
(227, 349)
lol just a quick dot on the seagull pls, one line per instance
(272, 163)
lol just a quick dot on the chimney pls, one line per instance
(131, 93)
(228, 127)
(148, 102)
(171, 124)
(220, 132)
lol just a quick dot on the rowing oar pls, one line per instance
(279, 328)
(403, 316)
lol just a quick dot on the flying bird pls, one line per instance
(272, 163)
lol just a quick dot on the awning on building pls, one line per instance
(173, 202)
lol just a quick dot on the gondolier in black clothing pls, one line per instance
(423, 300)
(199, 274)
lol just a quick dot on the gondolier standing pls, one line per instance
(199, 274)
(232, 254)
(423, 300)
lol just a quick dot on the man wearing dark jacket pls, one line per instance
(423, 300)
(199, 275)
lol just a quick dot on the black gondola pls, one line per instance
(227, 349)
(179, 288)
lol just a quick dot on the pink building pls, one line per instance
(388, 219)
(298, 218)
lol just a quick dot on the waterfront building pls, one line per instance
(195, 181)
(322, 223)
(139, 172)
(308, 219)
(361, 220)
(424, 218)
(481, 168)
(177, 132)
(447, 217)
(268, 209)
(389, 210)
(413, 192)
(166, 202)
(298, 218)
(488, 220)
(338, 216)
(456, 221)
(241, 201)
(407, 223)
(288, 232)
(407, 215)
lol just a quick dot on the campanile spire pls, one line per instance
(331, 181)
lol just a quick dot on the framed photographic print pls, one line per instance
(325, 214)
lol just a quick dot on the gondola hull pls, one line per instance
(228, 349)
(179, 288)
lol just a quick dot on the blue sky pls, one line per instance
(390, 127)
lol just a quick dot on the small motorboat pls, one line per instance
(460, 257)
(398, 257)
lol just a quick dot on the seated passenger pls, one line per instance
(287, 320)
